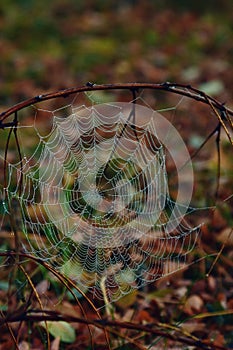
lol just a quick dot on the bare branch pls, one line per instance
(155, 329)
(180, 89)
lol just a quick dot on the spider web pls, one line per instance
(92, 197)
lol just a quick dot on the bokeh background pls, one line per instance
(49, 45)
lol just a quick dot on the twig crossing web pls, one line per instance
(93, 198)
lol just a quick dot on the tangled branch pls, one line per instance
(155, 329)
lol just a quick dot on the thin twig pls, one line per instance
(180, 89)
(219, 118)
(155, 329)
(67, 282)
(219, 160)
(10, 331)
(38, 299)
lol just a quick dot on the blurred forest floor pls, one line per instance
(51, 45)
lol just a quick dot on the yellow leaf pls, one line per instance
(60, 329)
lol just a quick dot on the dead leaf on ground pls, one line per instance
(193, 305)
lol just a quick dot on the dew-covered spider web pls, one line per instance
(92, 196)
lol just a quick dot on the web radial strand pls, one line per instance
(94, 198)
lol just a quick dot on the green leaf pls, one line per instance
(60, 329)
(213, 87)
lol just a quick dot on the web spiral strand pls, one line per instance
(95, 196)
